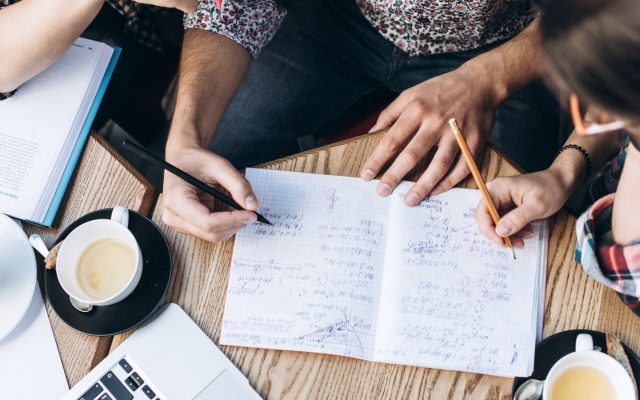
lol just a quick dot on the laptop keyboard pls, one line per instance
(121, 382)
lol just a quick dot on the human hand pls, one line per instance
(419, 117)
(189, 210)
(524, 198)
(186, 6)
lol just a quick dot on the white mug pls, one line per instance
(83, 236)
(586, 356)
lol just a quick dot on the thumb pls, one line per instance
(231, 179)
(515, 220)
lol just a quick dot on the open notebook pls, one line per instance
(44, 126)
(344, 271)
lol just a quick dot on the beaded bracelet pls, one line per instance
(581, 149)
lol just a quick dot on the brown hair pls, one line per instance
(593, 49)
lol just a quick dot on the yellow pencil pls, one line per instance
(478, 178)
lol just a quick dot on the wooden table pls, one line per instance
(199, 283)
(102, 179)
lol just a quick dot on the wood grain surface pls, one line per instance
(200, 279)
(102, 180)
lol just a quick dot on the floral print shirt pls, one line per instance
(417, 27)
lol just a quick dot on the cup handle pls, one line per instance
(584, 342)
(120, 215)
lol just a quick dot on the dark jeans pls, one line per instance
(327, 63)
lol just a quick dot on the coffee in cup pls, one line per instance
(588, 374)
(99, 262)
(105, 267)
(582, 382)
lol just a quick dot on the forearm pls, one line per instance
(626, 208)
(211, 70)
(510, 66)
(572, 165)
(35, 33)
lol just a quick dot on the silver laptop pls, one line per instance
(169, 358)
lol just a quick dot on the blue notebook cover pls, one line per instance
(82, 139)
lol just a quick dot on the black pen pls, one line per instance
(190, 179)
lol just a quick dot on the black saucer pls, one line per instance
(147, 297)
(559, 345)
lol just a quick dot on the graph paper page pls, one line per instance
(344, 271)
(310, 282)
(451, 299)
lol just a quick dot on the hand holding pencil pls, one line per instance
(466, 153)
(188, 208)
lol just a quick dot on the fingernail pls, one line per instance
(504, 228)
(367, 174)
(412, 199)
(373, 128)
(251, 202)
(384, 189)
(436, 191)
(528, 234)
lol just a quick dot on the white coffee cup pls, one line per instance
(82, 237)
(586, 356)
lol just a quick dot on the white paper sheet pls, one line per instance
(451, 299)
(30, 366)
(311, 281)
(344, 271)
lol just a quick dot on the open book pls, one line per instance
(44, 126)
(343, 271)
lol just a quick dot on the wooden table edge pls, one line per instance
(151, 193)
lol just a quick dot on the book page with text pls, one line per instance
(34, 126)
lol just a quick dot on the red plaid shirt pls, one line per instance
(616, 266)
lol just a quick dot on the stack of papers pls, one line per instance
(343, 271)
(44, 126)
